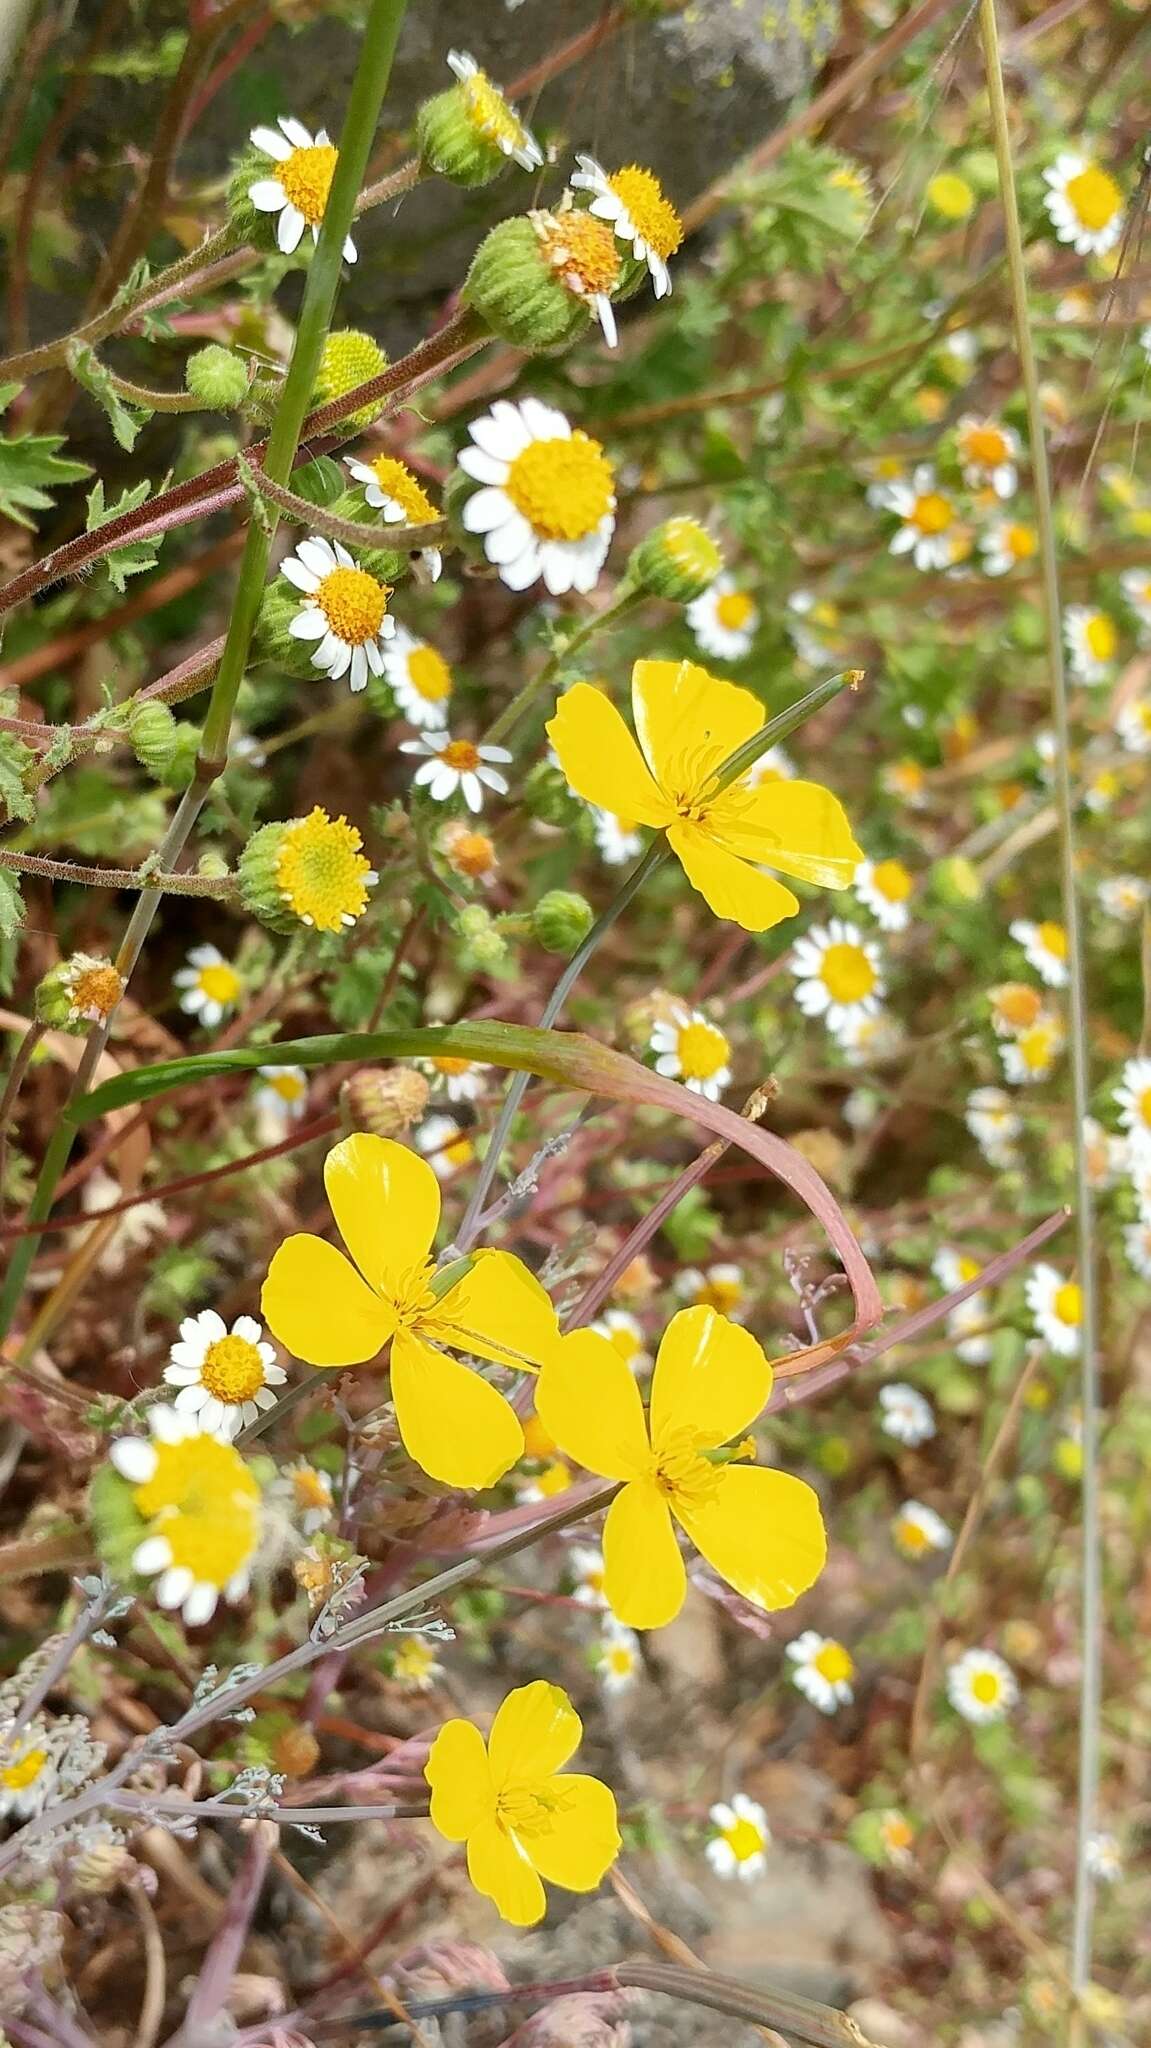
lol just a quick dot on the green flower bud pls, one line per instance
(152, 732)
(956, 881)
(546, 796)
(678, 560)
(257, 880)
(481, 939)
(182, 761)
(213, 864)
(217, 376)
(349, 358)
(52, 1001)
(469, 133)
(514, 290)
(561, 921)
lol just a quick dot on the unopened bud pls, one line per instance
(561, 921)
(217, 376)
(386, 1101)
(677, 560)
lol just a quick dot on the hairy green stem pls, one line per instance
(354, 532)
(1091, 1646)
(116, 878)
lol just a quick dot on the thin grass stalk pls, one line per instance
(1091, 1615)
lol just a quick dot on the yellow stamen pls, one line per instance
(306, 177)
(985, 1688)
(892, 880)
(1094, 196)
(847, 973)
(221, 984)
(744, 1839)
(462, 755)
(931, 512)
(1068, 1304)
(97, 989)
(1101, 637)
(320, 871)
(734, 610)
(581, 249)
(649, 210)
(396, 481)
(232, 1370)
(834, 1664)
(701, 1051)
(353, 604)
(429, 674)
(563, 487)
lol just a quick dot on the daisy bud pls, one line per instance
(956, 881)
(561, 921)
(152, 732)
(546, 796)
(385, 1101)
(517, 292)
(77, 992)
(469, 133)
(483, 943)
(678, 560)
(348, 358)
(182, 762)
(217, 376)
(307, 871)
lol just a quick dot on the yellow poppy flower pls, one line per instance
(760, 1530)
(522, 1820)
(689, 723)
(331, 1312)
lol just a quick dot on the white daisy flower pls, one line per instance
(1056, 1308)
(823, 1670)
(989, 454)
(917, 1530)
(1103, 1858)
(1032, 1055)
(1123, 896)
(691, 1049)
(1092, 639)
(871, 1038)
(1007, 544)
(1133, 726)
(283, 1097)
(885, 888)
(211, 987)
(839, 974)
(1137, 1245)
(490, 115)
(1015, 1006)
(884, 473)
(298, 192)
(310, 1492)
(742, 1838)
(345, 611)
(617, 838)
(1133, 1096)
(546, 508)
(906, 780)
(444, 1145)
(721, 1287)
(588, 1571)
(391, 488)
(618, 1660)
(29, 1760)
(419, 678)
(981, 1686)
(906, 1415)
(1136, 587)
(966, 1324)
(994, 1124)
(1045, 947)
(93, 987)
(1084, 204)
(456, 765)
(813, 625)
(724, 620)
(930, 520)
(225, 1376)
(460, 1080)
(634, 204)
(1108, 1156)
(415, 1666)
(202, 1508)
(625, 1334)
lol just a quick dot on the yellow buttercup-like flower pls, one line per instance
(760, 1530)
(332, 1312)
(522, 1816)
(689, 723)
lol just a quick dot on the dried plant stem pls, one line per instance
(227, 1946)
(1091, 1644)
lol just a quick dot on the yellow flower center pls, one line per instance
(847, 973)
(1053, 940)
(985, 1687)
(951, 195)
(320, 870)
(1101, 636)
(734, 610)
(471, 853)
(563, 487)
(1068, 1304)
(692, 548)
(205, 1501)
(306, 177)
(445, 1064)
(529, 1810)
(1037, 1047)
(834, 1663)
(581, 249)
(97, 988)
(429, 674)
(966, 1267)
(1021, 542)
(289, 1087)
(311, 1489)
(396, 481)
(1094, 196)
(721, 1295)
(682, 1474)
(908, 776)
(892, 880)
(1017, 1004)
(896, 1833)
(912, 1535)
(620, 1660)
(931, 512)
(1145, 1107)
(649, 210)
(17, 1777)
(221, 984)
(233, 1369)
(462, 755)
(744, 1839)
(984, 446)
(413, 1658)
(593, 1579)
(490, 114)
(701, 1051)
(353, 604)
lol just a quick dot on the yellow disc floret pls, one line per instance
(834, 1663)
(649, 209)
(306, 177)
(563, 487)
(204, 1501)
(233, 1369)
(735, 610)
(354, 604)
(396, 481)
(702, 1051)
(96, 989)
(1068, 1303)
(985, 1687)
(691, 547)
(892, 880)
(931, 512)
(220, 983)
(16, 1777)
(429, 673)
(1101, 636)
(490, 114)
(320, 871)
(581, 250)
(1095, 197)
(847, 973)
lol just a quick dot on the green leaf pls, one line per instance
(320, 481)
(136, 556)
(30, 468)
(11, 905)
(15, 760)
(124, 420)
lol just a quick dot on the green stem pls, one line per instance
(116, 878)
(1091, 1647)
(354, 532)
(153, 401)
(513, 712)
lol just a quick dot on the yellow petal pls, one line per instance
(534, 1733)
(315, 1302)
(500, 1311)
(589, 1404)
(729, 886)
(499, 1868)
(601, 760)
(644, 1579)
(386, 1201)
(458, 1429)
(711, 1378)
(688, 722)
(762, 1532)
(457, 1771)
(798, 828)
(583, 1841)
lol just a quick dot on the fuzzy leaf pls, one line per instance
(11, 905)
(136, 556)
(124, 420)
(15, 760)
(30, 468)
